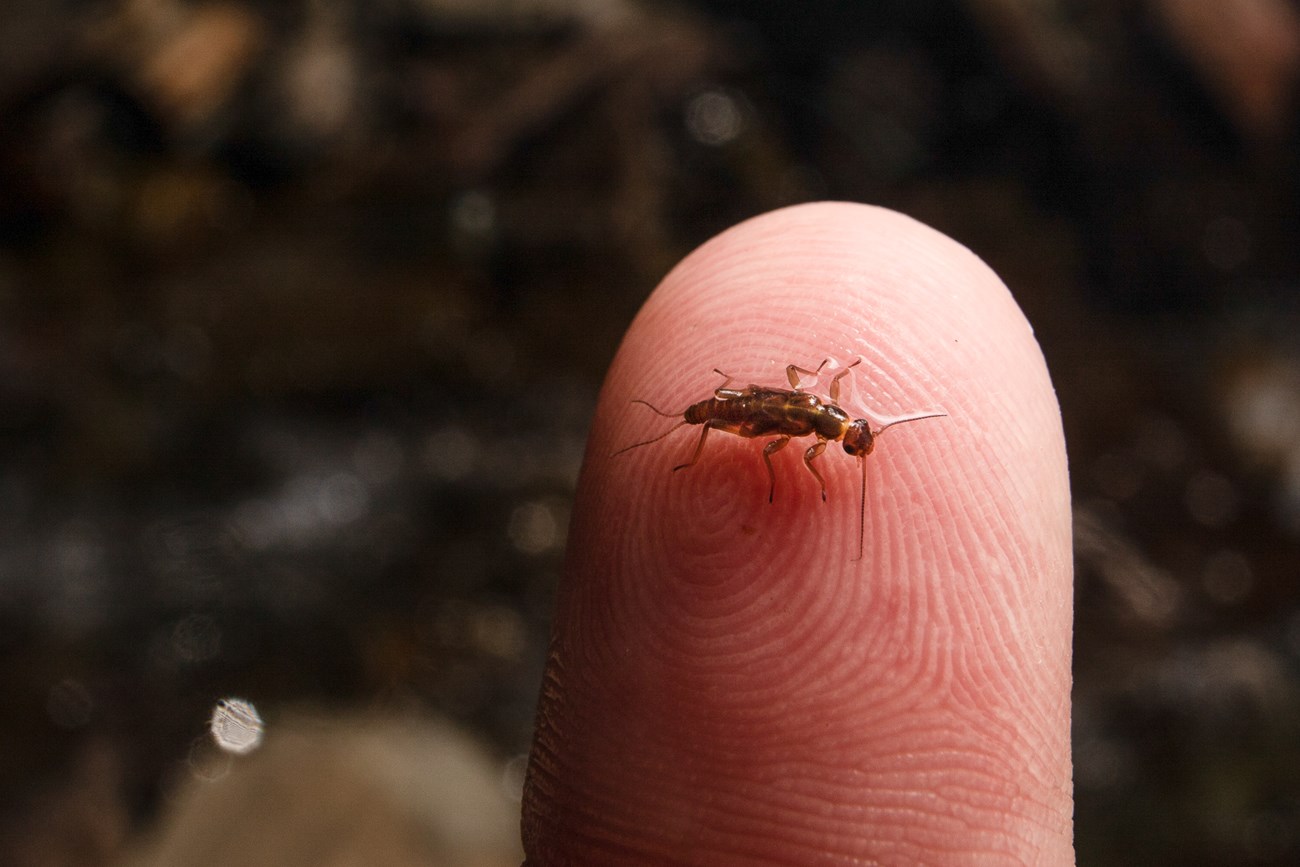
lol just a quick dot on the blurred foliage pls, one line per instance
(304, 305)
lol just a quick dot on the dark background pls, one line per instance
(304, 307)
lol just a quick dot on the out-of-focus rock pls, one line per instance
(372, 792)
(79, 822)
(1248, 53)
(187, 60)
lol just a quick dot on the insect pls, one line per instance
(756, 411)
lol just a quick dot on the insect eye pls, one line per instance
(859, 440)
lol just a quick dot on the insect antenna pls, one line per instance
(906, 418)
(862, 506)
(862, 459)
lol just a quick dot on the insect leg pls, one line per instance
(835, 382)
(768, 450)
(722, 392)
(699, 447)
(792, 372)
(813, 451)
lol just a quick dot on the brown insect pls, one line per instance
(756, 411)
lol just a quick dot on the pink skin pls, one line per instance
(726, 684)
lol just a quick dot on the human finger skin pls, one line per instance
(726, 683)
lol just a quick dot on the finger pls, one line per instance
(726, 684)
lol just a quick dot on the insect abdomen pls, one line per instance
(757, 414)
(713, 410)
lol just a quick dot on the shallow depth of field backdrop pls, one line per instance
(304, 306)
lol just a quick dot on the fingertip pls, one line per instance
(709, 643)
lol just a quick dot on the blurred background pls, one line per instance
(304, 306)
